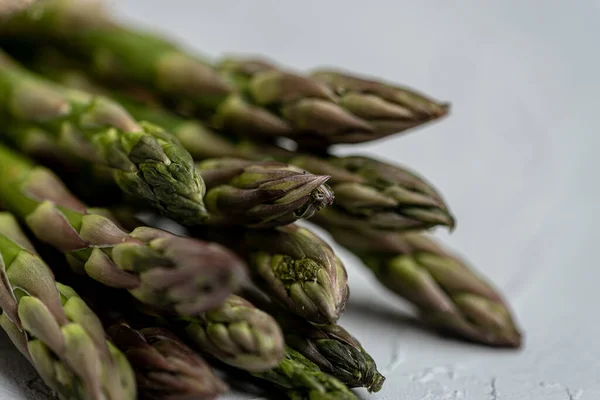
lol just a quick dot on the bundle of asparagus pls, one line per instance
(200, 143)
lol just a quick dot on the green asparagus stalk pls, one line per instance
(57, 332)
(331, 347)
(448, 294)
(334, 350)
(178, 274)
(238, 334)
(147, 162)
(388, 108)
(294, 266)
(166, 368)
(303, 380)
(378, 109)
(245, 97)
(197, 138)
(260, 194)
(376, 195)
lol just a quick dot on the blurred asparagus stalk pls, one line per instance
(178, 274)
(448, 294)
(57, 332)
(247, 97)
(147, 162)
(196, 137)
(166, 368)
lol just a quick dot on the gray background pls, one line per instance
(516, 161)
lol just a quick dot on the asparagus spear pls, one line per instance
(373, 194)
(245, 97)
(379, 109)
(334, 350)
(54, 328)
(239, 334)
(303, 380)
(448, 294)
(261, 194)
(293, 266)
(178, 274)
(330, 346)
(300, 270)
(166, 368)
(147, 162)
(388, 108)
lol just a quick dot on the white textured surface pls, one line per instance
(516, 160)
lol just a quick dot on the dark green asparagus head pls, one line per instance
(239, 334)
(373, 194)
(389, 109)
(447, 292)
(164, 366)
(300, 270)
(335, 351)
(148, 163)
(301, 379)
(261, 194)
